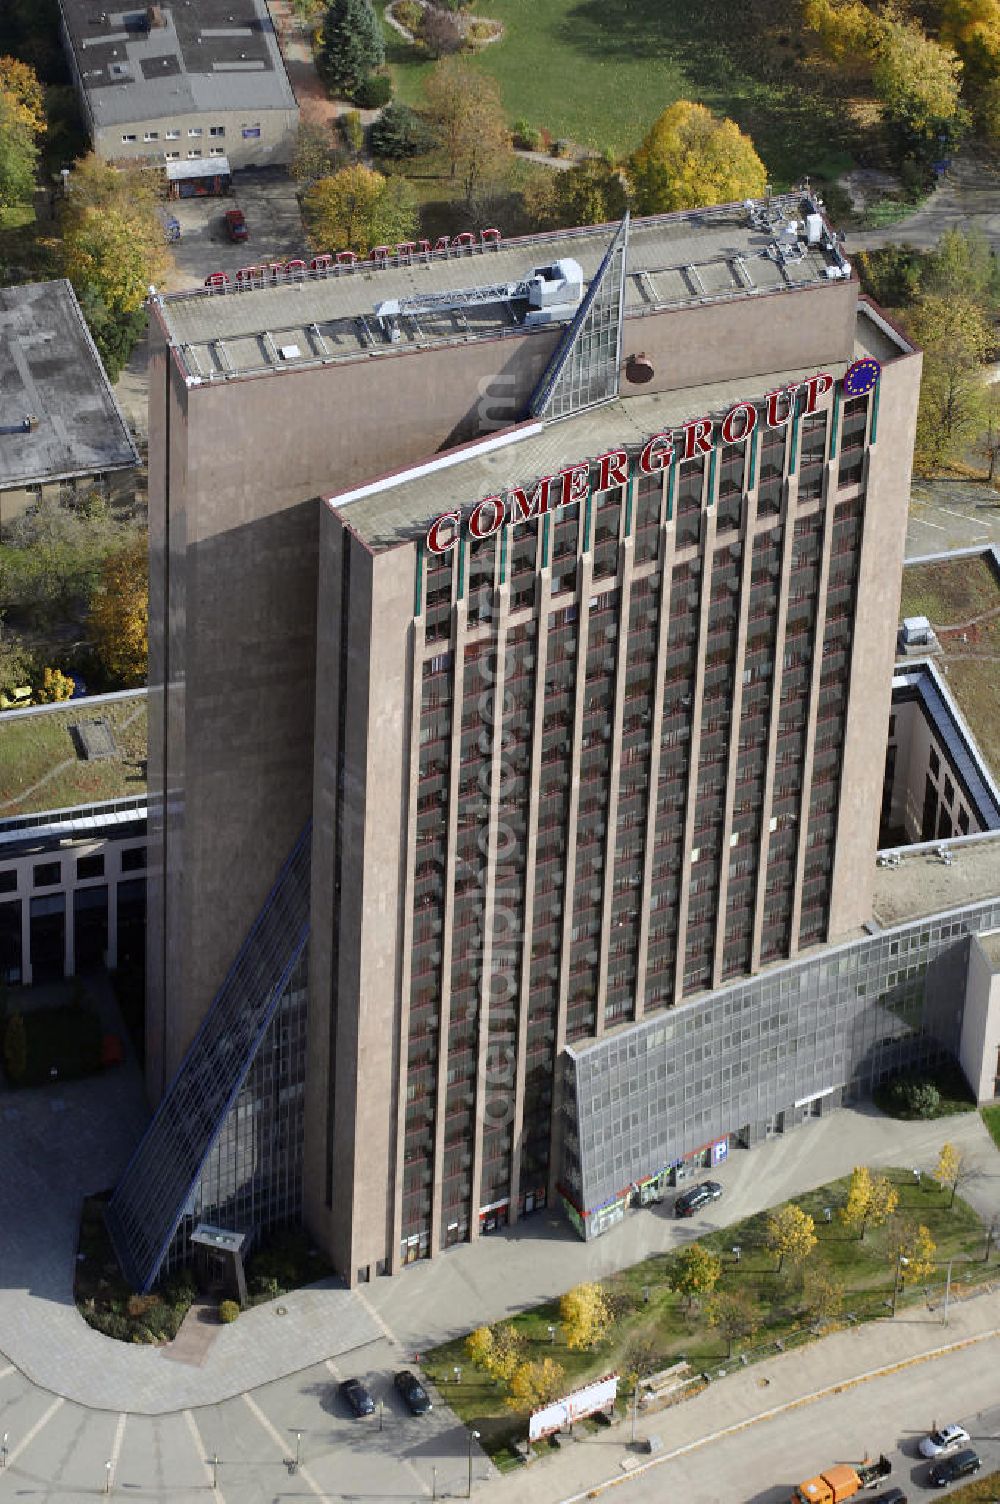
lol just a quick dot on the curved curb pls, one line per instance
(801, 1400)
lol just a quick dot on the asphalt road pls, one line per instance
(947, 514)
(764, 1463)
(969, 195)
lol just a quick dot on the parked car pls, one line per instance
(891, 1496)
(689, 1202)
(236, 225)
(943, 1440)
(949, 1469)
(354, 1393)
(413, 1392)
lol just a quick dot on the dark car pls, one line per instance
(413, 1392)
(949, 1469)
(354, 1393)
(236, 225)
(891, 1496)
(689, 1202)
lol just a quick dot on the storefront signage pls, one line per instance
(405, 250)
(575, 483)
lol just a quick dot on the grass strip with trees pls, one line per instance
(848, 1251)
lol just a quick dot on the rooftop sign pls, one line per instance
(694, 438)
(405, 250)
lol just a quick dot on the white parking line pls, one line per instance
(5, 1373)
(281, 1444)
(199, 1445)
(332, 1368)
(26, 1440)
(922, 522)
(116, 1446)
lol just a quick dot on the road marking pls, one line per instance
(363, 1299)
(281, 1444)
(795, 1404)
(26, 1441)
(116, 1446)
(922, 522)
(196, 1437)
(331, 1367)
(5, 1373)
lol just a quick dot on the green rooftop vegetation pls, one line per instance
(42, 764)
(961, 599)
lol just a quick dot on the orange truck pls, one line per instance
(841, 1481)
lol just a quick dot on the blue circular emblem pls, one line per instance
(861, 376)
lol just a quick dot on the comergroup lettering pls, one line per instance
(404, 251)
(573, 484)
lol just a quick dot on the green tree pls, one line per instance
(972, 27)
(734, 1314)
(351, 45)
(399, 132)
(919, 83)
(790, 1233)
(15, 1048)
(535, 1384)
(593, 192)
(19, 81)
(467, 116)
(690, 158)
(694, 1273)
(955, 335)
(112, 250)
(963, 264)
(358, 208)
(585, 1315)
(119, 614)
(15, 659)
(846, 31)
(18, 154)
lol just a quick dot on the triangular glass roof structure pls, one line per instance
(162, 1177)
(585, 368)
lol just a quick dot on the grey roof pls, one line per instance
(696, 257)
(50, 371)
(398, 508)
(151, 62)
(923, 884)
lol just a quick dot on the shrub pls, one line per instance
(265, 1287)
(560, 148)
(409, 14)
(479, 31)
(400, 132)
(913, 1097)
(228, 1311)
(439, 32)
(352, 130)
(373, 92)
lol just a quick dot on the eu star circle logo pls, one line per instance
(861, 376)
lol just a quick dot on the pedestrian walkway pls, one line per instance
(586, 1467)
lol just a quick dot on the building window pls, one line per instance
(8, 880)
(892, 727)
(134, 859)
(89, 866)
(151, 135)
(173, 134)
(171, 156)
(963, 820)
(195, 130)
(935, 763)
(251, 132)
(194, 153)
(47, 875)
(949, 790)
(216, 130)
(129, 138)
(217, 151)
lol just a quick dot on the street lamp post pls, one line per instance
(434, 1482)
(3, 1449)
(381, 1407)
(215, 1471)
(552, 1333)
(947, 1293)
(635, 1407)
(473, 1436)
(991, 1233)
(107, 1477)
(901, 1263)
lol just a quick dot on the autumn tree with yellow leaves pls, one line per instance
(790, 1233)
(119, 614)
(22, 122)
(585, 1315)
(871, 1201)
(536, 1384)
(690, 158)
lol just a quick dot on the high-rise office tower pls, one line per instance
(555, 583)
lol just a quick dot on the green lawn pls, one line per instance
(991, 1117)
(652, 1329)
(981, 1491)
(952, 594)
(598, 72)
(40, 767)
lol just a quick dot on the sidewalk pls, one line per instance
(849, 1358)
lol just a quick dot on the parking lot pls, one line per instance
(286, 1439)
(267, 198)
